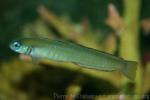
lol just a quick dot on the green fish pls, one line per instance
(60, 50)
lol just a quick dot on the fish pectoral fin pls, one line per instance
(36, 59)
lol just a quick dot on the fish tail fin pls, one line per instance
(129, 69)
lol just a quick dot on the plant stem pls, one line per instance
(129, 37)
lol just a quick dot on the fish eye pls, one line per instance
(17, 45)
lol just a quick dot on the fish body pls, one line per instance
(61, 50)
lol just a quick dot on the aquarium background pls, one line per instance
(119, 27)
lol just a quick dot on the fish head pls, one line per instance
(19, 47)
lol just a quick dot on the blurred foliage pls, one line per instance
(17, 13)
(83, 22)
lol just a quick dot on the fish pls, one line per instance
(63, 50)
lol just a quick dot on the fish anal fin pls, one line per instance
(92, 67)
